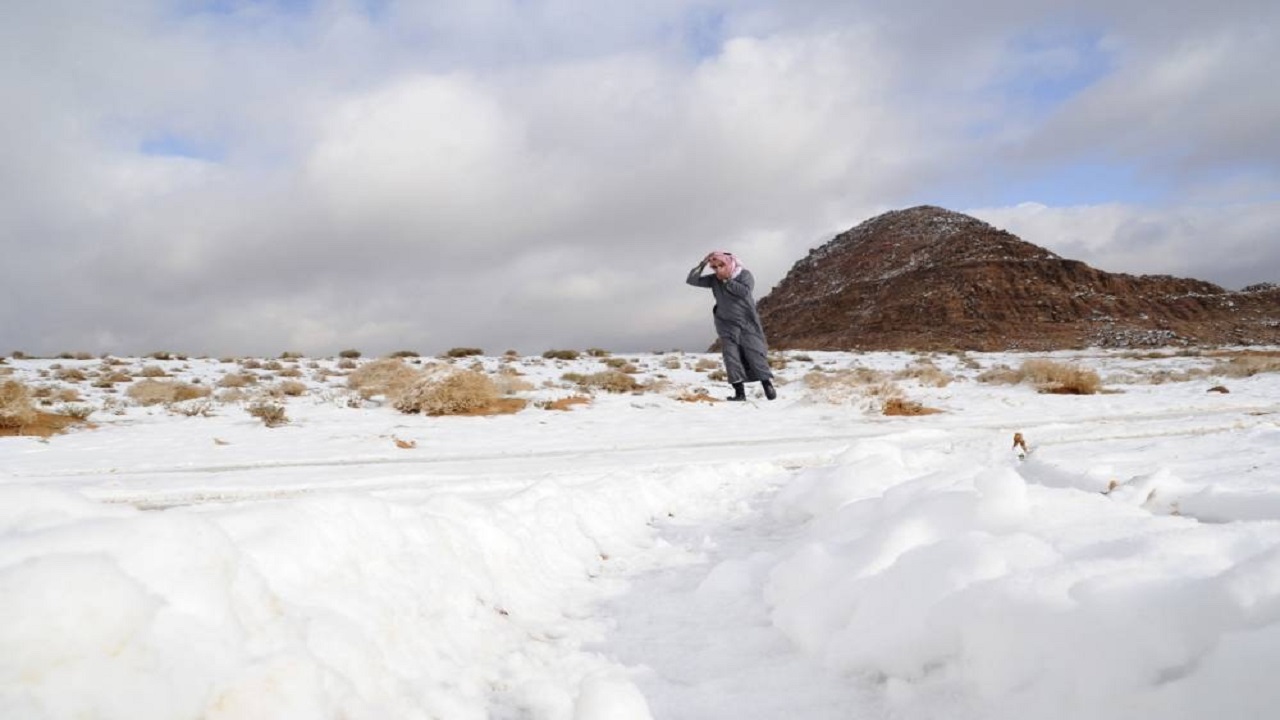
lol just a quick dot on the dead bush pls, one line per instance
(79, 411)
(271, 413)
(1247, 365)
(924, 372)
(460, 352)
(705, 364)
(72, 375)
(901, 406)
(389, 377)
(457, 393)
(561, 354)
(1048, 377)
(16, 409)
(1059, 378)
(291, 388)
(152, 371)
(158, 392)
(237, 380)
(614, 381)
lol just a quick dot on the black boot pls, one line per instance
(769, 392)
(739, 392)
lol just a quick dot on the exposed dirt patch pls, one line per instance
(567, 403)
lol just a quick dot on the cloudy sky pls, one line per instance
(229, 177)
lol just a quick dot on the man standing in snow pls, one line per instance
(738, 325)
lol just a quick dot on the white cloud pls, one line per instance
(1233, 245)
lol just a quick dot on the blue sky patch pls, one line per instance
(174, 145)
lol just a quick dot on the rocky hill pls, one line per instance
(931, 279)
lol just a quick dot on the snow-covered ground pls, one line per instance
(647, 557)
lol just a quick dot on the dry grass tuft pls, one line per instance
(390, 377)
(271, 413)
(158, 392)
(614, 381)
(16, 408)
(462, 392)
(1247, 364)
(1048, 377)
(923, 371)
(901, 406)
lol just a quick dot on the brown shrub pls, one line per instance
(614, 381)
(1060, 378)
(292, 388)
(390, 377)
(271, 414)
(16, 410)
(157, 392)
(1247, 365)
(902, 406)
(1048, 377)
(152, 371)
(457, 393)
(924, 372)
(237, 380)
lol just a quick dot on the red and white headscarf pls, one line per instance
(729, 261)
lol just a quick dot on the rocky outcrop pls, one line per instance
(931, 279)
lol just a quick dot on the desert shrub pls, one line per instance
(199, 407)
(273, 365)
(71, 375)
(251, 364)
(614, 381)
(924, 372)
(844, 384)
(456, 393)
(152, 371)
(231, 396)
(288, 355)
(291, 388)
(459, 352)
(1000, 375)
(705, 364)
(899, 405)
(561, 354)
(404, 354)
(161, 355)
(289, 372)
(349, 354)
(65, 395)
(510, 384)
(1247, 365)
(672, 362)
(18, 355)
(237, 380)
(271, 413)
(157, 392)
(16, 409)
(598, 352)
(79, 411)
(718, 376)
(385, 376)
(1060, 378)
(346, 364)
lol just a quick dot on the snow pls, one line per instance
(643, 557)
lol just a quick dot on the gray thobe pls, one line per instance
(746, 355)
